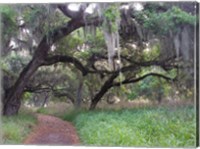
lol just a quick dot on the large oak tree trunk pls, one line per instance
(11, 101)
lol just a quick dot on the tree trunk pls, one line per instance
(11, 102)
(79, 92)
(45, 99)
(107, 85)
(98, 96)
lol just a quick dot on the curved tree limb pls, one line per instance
(128, 81)
(64, 59)
(110, 83)
(56, 92)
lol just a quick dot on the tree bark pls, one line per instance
(45, 99)
(107, 85)
(11, 103)
(66, 59)
(79, 92)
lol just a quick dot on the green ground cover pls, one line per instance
(149, 127)
(16, 128)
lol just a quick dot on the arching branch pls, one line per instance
(110, 83)
(65, 59)
(128, 81)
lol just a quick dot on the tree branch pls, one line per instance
(128, 81)
(65, 59)
(162, 63)
(37, 89)
(147, 63)
(56, 93)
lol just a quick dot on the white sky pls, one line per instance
(138, 6)
(92, 6)
(76, 7)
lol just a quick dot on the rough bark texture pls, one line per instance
(12, 102)
(79, 92)
(107, 85)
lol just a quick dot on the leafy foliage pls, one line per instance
(152, 53)
(95, 45)
(155, 21)
(152, 87)
(39, 14)
(148, 88)
(7, 24)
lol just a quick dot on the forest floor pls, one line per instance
(51, 130)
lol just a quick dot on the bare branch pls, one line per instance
(65, 59)
(128, 81)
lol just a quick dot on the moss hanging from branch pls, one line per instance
(111, 17)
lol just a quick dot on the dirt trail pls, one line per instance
(52, 131)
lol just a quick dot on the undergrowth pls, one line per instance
(55, 109)
(16, 128)
(146, 127)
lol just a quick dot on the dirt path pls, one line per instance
(52, 131)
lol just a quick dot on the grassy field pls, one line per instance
(16, 128)
(142, 127)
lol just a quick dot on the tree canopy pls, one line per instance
(81, 51)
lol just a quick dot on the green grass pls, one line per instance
(15, 128)
(150, 127)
